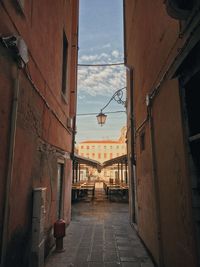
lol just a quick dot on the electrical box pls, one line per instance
(38, 220)
(70, 122)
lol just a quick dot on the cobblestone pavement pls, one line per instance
(100, 235)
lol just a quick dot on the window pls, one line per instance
(82, 147)
(111, 155)
(105, 155)
(64, 63)
(99, 155)
(110, 147)
(93, 155)
(117, 147)
(82, 154)
(93, 147)
(104, 147)
(88, 147)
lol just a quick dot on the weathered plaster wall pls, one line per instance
(174, 186)
(42, 131)
(5, 108)
(151, 34)
(152, 42)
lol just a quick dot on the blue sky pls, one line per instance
(100, 41)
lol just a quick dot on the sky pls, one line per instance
(100, 42)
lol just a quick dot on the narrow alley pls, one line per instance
(100, 235)
(99, 133)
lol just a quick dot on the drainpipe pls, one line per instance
(131, 155)
(133, 178)
(155, 186)
(124, 29)
(73, 137)
(73, 147)
(132, 198)
(9, 175)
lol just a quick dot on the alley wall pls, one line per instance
(163, 185)
(44, 119)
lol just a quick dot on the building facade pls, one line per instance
(162, 46)
(38, 58)
(101, 151)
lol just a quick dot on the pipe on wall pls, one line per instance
(156, 187)
(9, 176)
(132, 178)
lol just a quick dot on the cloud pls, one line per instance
(115, 53)
(89, 58)
(106, 46)
(101, 80)
(103, 57)
(81, 97)
(95, 48)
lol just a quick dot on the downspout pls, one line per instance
(9, 176)
(124, 30)
(74, 118)
(73, 146)
(155, 186)
(132, 160)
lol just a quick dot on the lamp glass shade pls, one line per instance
(101, 118)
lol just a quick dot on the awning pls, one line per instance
(96, 164)
(121, 159)
(90, 162)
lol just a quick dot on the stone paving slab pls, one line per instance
(100, 236)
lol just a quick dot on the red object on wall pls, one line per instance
(59, 228)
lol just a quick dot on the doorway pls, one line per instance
(189, 81)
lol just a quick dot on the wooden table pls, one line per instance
(81, 189)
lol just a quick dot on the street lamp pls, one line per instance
(101, 118)
(118, 97)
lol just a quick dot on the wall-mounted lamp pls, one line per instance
(101, 118)
(118, 97)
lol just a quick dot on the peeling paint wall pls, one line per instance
(43, 134)
(155, 47)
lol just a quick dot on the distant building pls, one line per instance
(102, 150)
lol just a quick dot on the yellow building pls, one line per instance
(101, 151)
